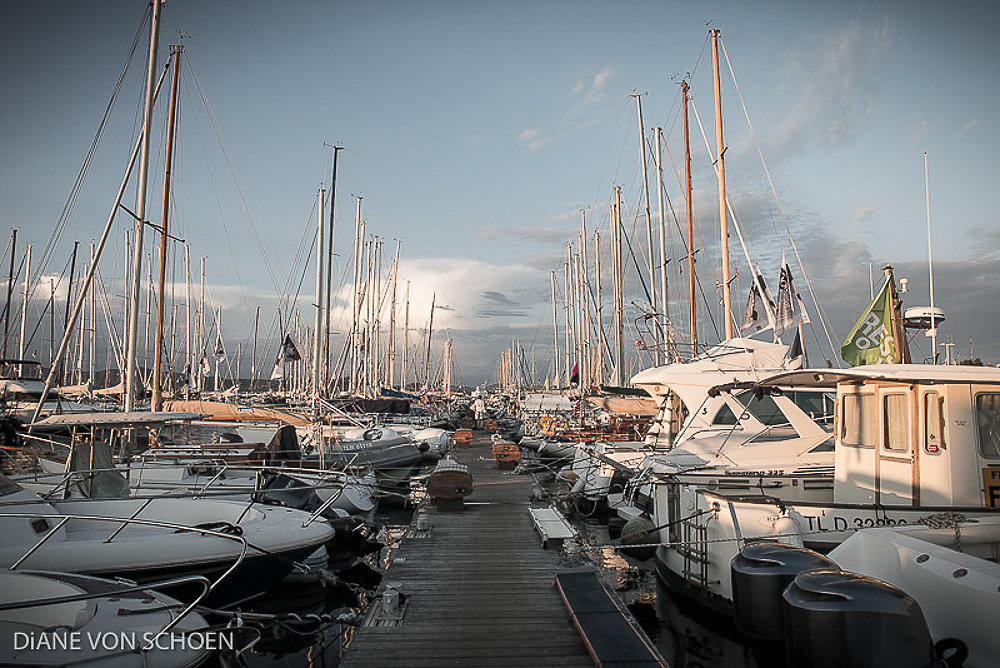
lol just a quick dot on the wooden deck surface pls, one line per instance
(479, 589)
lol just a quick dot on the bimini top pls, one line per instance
(900, 373)
(115, 419)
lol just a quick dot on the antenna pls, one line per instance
(932, 332)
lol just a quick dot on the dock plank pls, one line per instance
(479, 589)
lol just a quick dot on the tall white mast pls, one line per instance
(355, 329)
(318, 333)
(649, 225)
(661, 322)
(619, 301)
(601, 341)
(24, 300)
(585, 366)
(930, 263)
(566, 311)
(406, 338)
(140, 210)
(555, 331)
(720, 156)
(392, 319)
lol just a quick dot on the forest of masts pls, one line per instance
(370, 357)
(588, 350)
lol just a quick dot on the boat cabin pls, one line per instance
(913, 435)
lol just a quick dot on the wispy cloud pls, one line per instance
(586, 93)
(838, 86)
(867, 211)
(968, 126)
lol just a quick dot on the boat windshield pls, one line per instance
(8, 486)
(817, 405)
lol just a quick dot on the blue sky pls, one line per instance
(476, 133)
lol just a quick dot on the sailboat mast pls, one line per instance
(430, 333)
(69, 297)
(406, 338)
(355, 329)
(601, 341)
(555, 329)
(253, 355)
(661, 322)
(720, 156)
(585, 346)
(567, 298)
(619, 300)
(690, 222)
(649, 224)
(10, 290)
(157, 398)
(329, 269)
(930, 263)
(392, 320)
(318, 333)
(140, 211)
(24, 300)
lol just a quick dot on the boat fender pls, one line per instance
(950, 653)
(639, 529)
(787, 530)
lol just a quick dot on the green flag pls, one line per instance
(871, 341)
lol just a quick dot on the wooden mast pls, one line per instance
(690, 223)
(157, 398)
(720, 156)
(140, 211)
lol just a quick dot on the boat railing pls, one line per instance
(322, 508)
(64, 518)
(199, 580)
(326, 479)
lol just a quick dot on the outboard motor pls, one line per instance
(760, 573)
(835, 618)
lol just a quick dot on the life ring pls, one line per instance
(547, 425)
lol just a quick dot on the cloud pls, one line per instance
(837, 86)
(586, 93)
(498, 297)
(595, 93)
(968, 126)
(865, 212)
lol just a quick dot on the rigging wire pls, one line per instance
(74, 193)
(822, 315)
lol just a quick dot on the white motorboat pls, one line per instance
(950, 570)
(61, 619)
(913, 442)
(252, 545)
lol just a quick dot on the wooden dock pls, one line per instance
(475, 587)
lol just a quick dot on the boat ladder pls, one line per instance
(694, 548)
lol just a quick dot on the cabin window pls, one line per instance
(896, 422)
(933, 423)
(817, 405)
(988, 423)
(7, 486)
(725, 416)
(859, 420)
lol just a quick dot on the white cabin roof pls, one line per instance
(902, 373)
